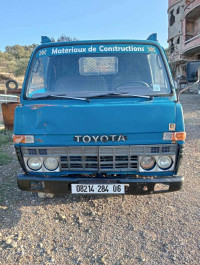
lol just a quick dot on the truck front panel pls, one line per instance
(99, 113)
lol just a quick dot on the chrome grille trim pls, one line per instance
(100, 158)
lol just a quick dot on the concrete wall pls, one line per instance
(195, 42)
(191, 27)
(175, 31)
(191, 4)
(171, 2)
(177, 10)
(184, 22)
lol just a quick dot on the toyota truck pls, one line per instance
(99, 117)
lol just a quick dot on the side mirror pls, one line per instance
(193, 75)
(193, 71)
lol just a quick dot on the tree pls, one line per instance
(63, 38)
(20, 66)
(18, 51)
(18, 57)
(1, 57)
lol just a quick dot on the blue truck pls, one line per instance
(99, 117)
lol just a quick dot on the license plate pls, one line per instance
(97, 188)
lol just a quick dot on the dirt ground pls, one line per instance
(160, 229)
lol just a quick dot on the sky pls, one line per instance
(23, 22)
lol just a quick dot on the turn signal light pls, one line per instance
(25, 139)
(179, 136)
(175, 136)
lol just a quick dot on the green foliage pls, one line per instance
(20, 66)
(16, 57)
(63, 38)
(1, 57)
(19, 52)
(5, 137)
(4, 158)
(11, 66)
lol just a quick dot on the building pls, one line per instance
(183, 33)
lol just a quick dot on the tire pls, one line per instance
(11, 82)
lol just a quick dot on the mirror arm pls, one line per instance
(188, 87)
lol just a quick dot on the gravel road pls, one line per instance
(154, 229)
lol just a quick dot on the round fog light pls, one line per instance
(34, 163)
(51, 163)
(164, 162)
(147, 162)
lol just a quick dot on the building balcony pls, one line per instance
(192, 10)
(191, 5)
(191, 28)
(191, 46)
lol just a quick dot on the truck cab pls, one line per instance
(99, 117)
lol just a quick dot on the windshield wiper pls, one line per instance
(120, 94)
(60, 96)
(94, 96)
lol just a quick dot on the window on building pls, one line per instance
(172, 18)
(178, 40)
(191, 29)
(178, 10)
(172, 46)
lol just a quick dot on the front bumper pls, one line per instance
(134, 186)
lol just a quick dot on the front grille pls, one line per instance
(100, 158)
(42, 151)
(165, 149)
(32, 151)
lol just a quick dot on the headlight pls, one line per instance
(51, 163)
(34, 163)
(165, 162)
(147, 162)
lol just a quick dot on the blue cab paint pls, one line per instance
(97, 138)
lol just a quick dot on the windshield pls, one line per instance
(89, 70)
